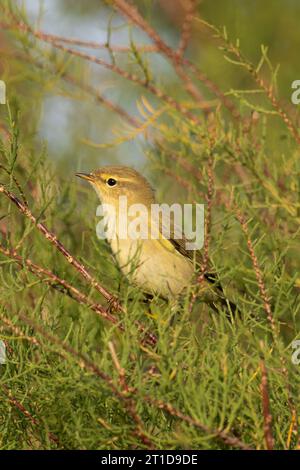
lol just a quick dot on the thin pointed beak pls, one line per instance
(86, 176)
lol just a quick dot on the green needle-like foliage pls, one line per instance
(89, 364)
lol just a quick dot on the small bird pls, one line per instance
(159, 266)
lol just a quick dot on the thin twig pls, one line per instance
(266, 407)
(102, 100)
(16, 183)
(26, 413)
(267, 306)
(54, 281)
(60, 247)
(85, 87)
(179, 63)
(224, 436)
(89, 44)
(268, 89)
(258, 273)
(17, 331)
(210, 85)
(133, 15)
(116, 69)
(186, 30)
(209, 199)
(130, 403)
(86, 363)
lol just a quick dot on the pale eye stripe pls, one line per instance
(106, 176)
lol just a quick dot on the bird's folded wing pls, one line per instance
(173, 238)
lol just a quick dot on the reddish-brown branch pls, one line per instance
(209, 199)
(115, 69)
(179, 63)
(102, 100)
(186, 30)
(55, 282)
(84, 362)
(266, 407)
(48, 277)
(266, 303)
(60, 247)
(130, 12)
(85, 87)
(258, 273)
(25, 202)
(26, 413)
(267, 88)
(276, 105)
(130, 403)
(90, 44)
(17, 331)
(87, 364)
(205, 259)
(224, 436)
(202, 77)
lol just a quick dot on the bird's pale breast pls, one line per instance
(154, 265)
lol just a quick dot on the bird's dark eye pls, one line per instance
(111, 182)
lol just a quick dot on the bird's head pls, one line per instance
(111, 182)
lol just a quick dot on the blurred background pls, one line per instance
(65, 117)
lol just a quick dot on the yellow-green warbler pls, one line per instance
(160, 264)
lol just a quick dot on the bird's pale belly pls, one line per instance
(153, 267)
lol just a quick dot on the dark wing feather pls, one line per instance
(179, 243)
(195, 256)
